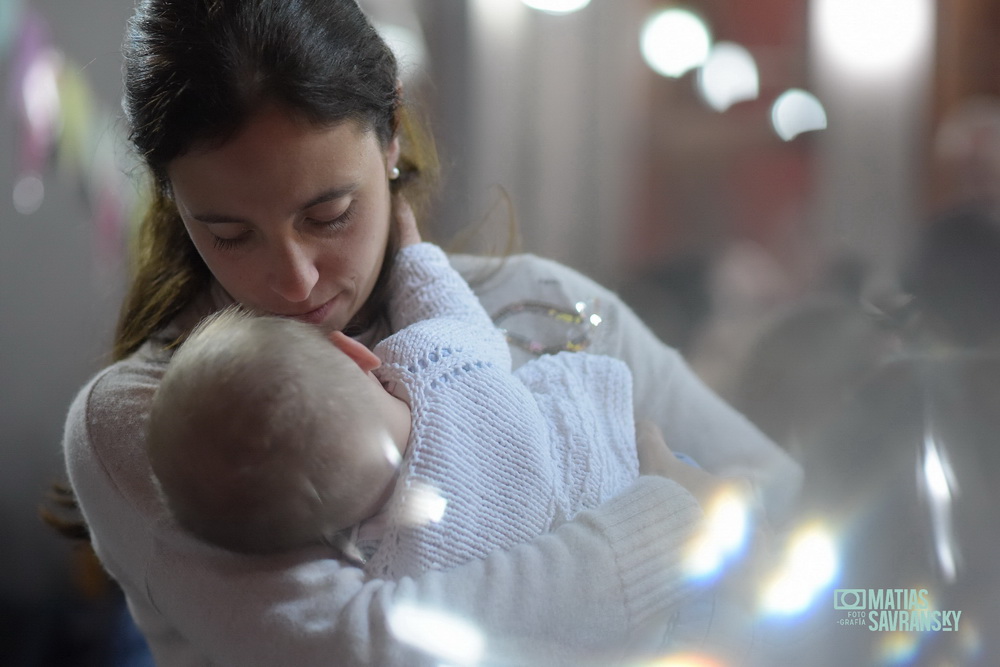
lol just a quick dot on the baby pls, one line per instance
(264, 437)
(267, 435)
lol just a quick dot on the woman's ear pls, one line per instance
(357, 352)
(392, 154)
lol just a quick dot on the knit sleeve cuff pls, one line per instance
(648, 529)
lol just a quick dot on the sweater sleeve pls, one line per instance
(434, 311)
(202, 606)
(424, 285)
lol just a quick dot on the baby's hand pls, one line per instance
(405, 221)
(656, 458)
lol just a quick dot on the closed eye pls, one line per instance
(340, 222)
(235, 235)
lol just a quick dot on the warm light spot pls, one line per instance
(682, 660)
(723, 536)
(898, 648)
(809, 566)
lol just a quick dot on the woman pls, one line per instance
(275, 137)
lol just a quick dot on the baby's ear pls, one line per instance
(359, 354)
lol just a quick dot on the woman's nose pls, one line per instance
(293, 272)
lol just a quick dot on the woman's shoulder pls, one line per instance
(125, 381)
(106, 422)
(499, 281)
(483, 268)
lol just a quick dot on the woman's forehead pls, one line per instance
(276, 156)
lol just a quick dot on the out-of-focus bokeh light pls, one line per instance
(724, 535)
(970, 639)
(40, 92)
(937, 480)
(585, 307)
(9, 16)
(898, 648)
(29, 192)
(675, 41)
(444, 636)
(557, 6)
(937, 474)
(809, 567)
(728, 76)
(682, 660)
(407, 45)
(797, 111)
(873, 36)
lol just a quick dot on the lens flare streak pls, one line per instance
(810, 565)
(938, 481)
(723, 536)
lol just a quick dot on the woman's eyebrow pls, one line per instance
(329, 195)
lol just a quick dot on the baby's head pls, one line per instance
(265, 435)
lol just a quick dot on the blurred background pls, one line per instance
(757, 179)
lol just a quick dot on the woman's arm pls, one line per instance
(575, 595)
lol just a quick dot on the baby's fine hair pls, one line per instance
(243, 406)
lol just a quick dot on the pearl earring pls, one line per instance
(394, 174)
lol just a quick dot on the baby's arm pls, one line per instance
(436, 316)
(423, 284)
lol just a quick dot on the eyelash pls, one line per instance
(227, 244)
(337, 223)
(340, 221)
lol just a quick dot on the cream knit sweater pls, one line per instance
(589, 592)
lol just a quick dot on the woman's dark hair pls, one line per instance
(195, 71)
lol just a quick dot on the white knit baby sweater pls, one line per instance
(494, 458)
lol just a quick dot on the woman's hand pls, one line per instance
(405, 221)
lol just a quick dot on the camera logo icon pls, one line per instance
(849, 598)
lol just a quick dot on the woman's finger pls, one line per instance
(406, 222)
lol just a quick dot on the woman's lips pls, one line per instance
(317, 316)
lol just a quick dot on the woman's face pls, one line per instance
(291, 219)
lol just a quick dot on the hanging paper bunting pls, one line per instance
(9, 19)
(61, 125)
